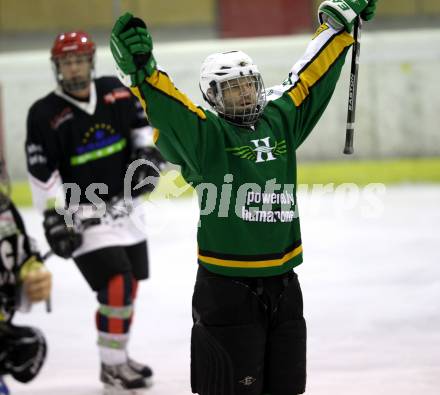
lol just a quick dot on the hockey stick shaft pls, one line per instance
(352, 93)
(50, 253)
(46, 256)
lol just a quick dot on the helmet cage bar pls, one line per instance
(248, 91)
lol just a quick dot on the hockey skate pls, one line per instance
(144, 370)
(122, 380)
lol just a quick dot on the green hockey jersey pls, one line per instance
(246, 177)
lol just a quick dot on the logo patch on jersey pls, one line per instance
(288, 80)
(99, 141)
(262, 151)
(116, 94)
(35, 155)
(248, 381)
(60, 118)
(321, 29)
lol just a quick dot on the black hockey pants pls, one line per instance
(249, 335)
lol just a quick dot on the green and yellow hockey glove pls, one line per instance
(344, 12)
(368, 13)
(132, 47)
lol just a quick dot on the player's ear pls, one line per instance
(210, 94)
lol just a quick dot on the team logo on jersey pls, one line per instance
(288, 80)
(98, 133)
(116, 94)
(248, 380)
(262, 151)
(99, 141)
(62, 117)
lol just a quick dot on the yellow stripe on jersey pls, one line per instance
(320, 65)
(252, 264)
(135, 90)
(155, 135)
(162, 82)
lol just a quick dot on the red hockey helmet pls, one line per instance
(77, 42)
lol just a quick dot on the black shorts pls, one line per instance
(99, 266)
(249, 335)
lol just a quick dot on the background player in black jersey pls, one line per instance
(23, 281)
(80, 140)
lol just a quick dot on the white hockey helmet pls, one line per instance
(231, 83)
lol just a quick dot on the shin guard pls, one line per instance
(114, 316)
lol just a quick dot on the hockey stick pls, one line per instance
(80, 228)
(46, 256)
(351, 113)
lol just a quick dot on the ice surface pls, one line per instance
(371, 284)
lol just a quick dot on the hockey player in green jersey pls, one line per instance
(249, 334)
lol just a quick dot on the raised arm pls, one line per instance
(183, 125)
(305, 94)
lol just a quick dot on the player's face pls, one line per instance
(76, 71)
(239, 94)
(74, 66)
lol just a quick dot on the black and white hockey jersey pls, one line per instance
(15, 249)
(71, 141)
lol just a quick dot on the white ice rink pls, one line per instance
(371, 284)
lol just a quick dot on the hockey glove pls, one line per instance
(62, 239)
(368, 13)
(342, 13)
(146, 175)
(132, 47)
(36, 279)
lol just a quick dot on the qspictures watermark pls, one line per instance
(250, 202)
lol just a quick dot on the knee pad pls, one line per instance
(26, 352)
(211, 366)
